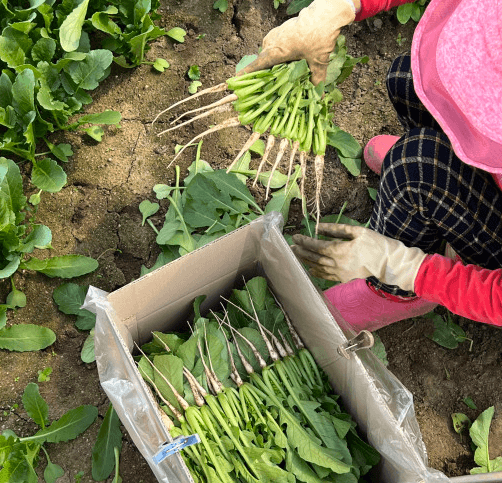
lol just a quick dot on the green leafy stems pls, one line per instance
(283, 102)
(244, 382)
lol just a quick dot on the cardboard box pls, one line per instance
(162, 301)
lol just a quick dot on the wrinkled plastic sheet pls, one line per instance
(162, 300)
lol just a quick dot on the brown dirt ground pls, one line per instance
(96, 214)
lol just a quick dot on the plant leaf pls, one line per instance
(68, 427)
(194, 72)
(105, 117)
(160, 64)
(177, 34)
(479, 432)
(109, 437)
(69, 297)
(52, 472)
(87, 354)
(39, 237)
(353, 165)
(89, 72)
(147, 208)
(35, 405)
(26, 337)
(221, 5)
(447, 333)
(245, 61)
(403, 12)
(172, 369)
(71, 28)
(194, 86)
(460, 422)
(65, 266)
(47, 175)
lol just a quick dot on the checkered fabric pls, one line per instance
(427, 194)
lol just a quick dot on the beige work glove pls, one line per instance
(358, 252)
(311, 36)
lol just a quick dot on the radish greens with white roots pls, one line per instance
(282, 102)
(245, 383)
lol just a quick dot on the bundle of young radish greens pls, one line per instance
(245, 383)
(284, 102)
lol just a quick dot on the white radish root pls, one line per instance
(303, 167)
(296, 145)
(268, 148)
(319, 171)
(252, 139)
(218, 88)
(226, 100)
(282, 149)
(216, 110)
(232, 122)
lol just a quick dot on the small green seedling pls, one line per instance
(160, 65)
(221, 5)
(194, 86)
(400, 39)
(194, 72)
(44, 376)
(469, 403)
(461, 423)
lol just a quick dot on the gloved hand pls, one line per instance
(357, 252)
(311, 36)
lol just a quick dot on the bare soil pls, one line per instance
(96, 214)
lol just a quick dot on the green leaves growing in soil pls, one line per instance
(108, 440)
(447, 334)
(413, 11)
(69, 297)
(20, 456)
(26, 337)
(479, 431)
(221, 5)
(212, 203)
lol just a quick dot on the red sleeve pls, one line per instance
(466, 290)
(369, 8)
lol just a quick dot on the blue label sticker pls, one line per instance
(168, 449)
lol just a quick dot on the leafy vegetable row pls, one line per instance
(48, 67)
(245, 383)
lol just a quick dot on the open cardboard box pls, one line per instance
(162, 301)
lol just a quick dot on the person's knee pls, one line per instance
(398, 76)
(415, 157)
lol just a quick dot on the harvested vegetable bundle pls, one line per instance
(283, 102)
(244, 382)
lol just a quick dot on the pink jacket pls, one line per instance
(467, 290)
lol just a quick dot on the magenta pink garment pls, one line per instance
(470, 145)
(364, 309)
(456, 53)
(372, 7)
(457, 286)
